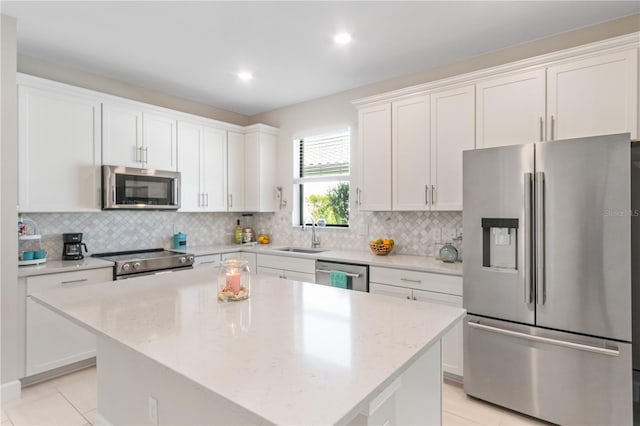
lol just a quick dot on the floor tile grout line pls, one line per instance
(465, 417)
(74, 407)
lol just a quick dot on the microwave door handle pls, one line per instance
(528, 235)
(113, 194)
(176, 188)
(540, 238)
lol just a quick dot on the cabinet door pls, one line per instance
(452, 341)
(58, 151)
(299, 276)
(510, 109)
(252, 172)
(121, 136)
(235, 171)
(52, 340)
(212, 260)
(594, 96)
(267, 176)
(452, 131)
(159, 142)
(410, 153)
(374, 136)
(191, 196)
(214, 169)
(389, 290)
(270, 272)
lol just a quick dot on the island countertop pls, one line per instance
(293, 353)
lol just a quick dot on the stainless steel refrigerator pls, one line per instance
(547, 279)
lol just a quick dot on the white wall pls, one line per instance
(8, 202)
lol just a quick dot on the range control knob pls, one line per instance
(183, 259)
(126, 267)
(190, 258)
(136, 265)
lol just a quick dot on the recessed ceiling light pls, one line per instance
(342, 38)
(245, 75)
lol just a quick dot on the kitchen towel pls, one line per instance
(338, 279)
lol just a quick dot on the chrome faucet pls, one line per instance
(315, 238)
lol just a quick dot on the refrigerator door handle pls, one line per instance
(540, 241)
(541, 339)
(528, 253)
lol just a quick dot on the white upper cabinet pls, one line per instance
(410, 153)
(58, 148)
(121, 135)
(259, 169)
(510, 109)
(202, 163)
(132, 137)
(452, 131)
(159, 147)
(235, 171)
(593, 96)
(374, 139)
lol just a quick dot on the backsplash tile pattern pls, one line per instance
(421, 233)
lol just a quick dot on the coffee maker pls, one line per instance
(72, 246)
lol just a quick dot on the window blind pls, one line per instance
(328, 156)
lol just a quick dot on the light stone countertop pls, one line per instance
(293, 353)
(400, 261)
(57, 266)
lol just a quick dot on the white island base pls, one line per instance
(294, 353)
(133, 389)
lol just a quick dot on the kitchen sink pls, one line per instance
(300, 250)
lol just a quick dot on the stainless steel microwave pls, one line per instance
(134, 189)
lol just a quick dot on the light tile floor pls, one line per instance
(72, 400)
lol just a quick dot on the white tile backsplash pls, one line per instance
(420, 233)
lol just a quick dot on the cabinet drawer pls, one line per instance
(419, 280)
(64, 279)
(287, 263)
(207, 260)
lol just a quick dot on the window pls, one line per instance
(321, 180)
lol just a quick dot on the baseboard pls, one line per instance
(57, 372)
(10, 391)
(452, 378)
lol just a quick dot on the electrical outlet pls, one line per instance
(364, 229)
(153, 410)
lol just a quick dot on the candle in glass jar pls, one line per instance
(233, 282)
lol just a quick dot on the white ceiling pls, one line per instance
(194, 49)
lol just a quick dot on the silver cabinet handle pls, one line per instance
(324, 271)
(231, 202)
(207, 262)
(541, 129)
(408, 297)
(138, 154)
(200, 199)
(433, 194)
(409, 280)
(414, 298)
(541, 339)
(74, 281)
(146, 154)
(426, 194)
(358, 194)
(540, 261)
(528, 236)
(206, 203)
(553, 125)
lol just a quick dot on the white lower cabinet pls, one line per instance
(53, 341)
(291, 268)
(419, 286)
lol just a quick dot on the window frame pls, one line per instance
(299, 182)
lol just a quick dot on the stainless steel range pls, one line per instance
(135, 263)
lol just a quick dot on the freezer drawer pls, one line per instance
(559, 377)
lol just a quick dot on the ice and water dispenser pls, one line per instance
(500, 244)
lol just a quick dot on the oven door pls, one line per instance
(143, 274)
(134, 189)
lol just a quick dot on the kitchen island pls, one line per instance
(293, 353)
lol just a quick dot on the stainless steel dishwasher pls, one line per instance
(357, 275)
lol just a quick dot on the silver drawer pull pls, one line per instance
(563, 343)
(74, 281)
(346, 273)
(409, 280)
(207, 262)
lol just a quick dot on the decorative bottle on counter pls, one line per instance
(238, 234)
(234, 280)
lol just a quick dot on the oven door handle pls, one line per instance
(349, 274)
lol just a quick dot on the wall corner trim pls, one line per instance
(10, 391)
